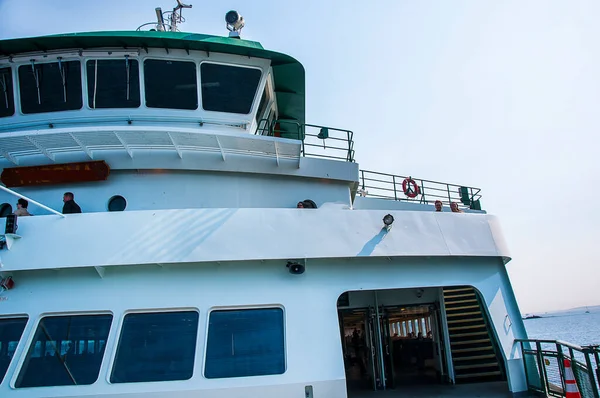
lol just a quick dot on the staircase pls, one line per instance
(473, 354)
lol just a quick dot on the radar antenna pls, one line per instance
(173, 17)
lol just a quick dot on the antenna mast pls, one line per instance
(176, 15)
(166, 21)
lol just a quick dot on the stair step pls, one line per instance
(448, 303)
(477, 365)
(471, 341)
(466, 320)
(469, 327)
(472, 349)
(469, 334)
(464, 307)
(465, 313)
(474, 357)
(483, 374)
(457, 289)
(458, 295)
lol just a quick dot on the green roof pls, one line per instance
(288, 72)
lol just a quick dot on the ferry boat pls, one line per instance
(221, 246)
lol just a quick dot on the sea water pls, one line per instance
(579, 329)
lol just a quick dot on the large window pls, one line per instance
(170, 84)
(228, 88)
(245, 343)
(11, 330)
(7, 101)
(113, 83)
(66, 350)
(50, 87)
(156, 347)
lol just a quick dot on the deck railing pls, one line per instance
(389, 186)
(317, 141)
(545, 372)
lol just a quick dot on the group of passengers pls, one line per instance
(453, 206)
(69, 206)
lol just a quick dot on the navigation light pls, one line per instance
(235, 23)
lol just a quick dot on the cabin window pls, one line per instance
(245, 343)
(156, 347)
(66, 350)
(50, 87)
(11, 331)
(228, 88)
(170, 84)
(113, 83)
(117, 203)
(7, 100)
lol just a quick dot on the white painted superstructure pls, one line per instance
(210, 228)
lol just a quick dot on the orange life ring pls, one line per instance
(410, 187)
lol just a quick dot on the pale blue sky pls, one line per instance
(499, 95)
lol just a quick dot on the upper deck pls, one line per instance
(179, 101)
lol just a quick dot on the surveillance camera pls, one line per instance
(295, 268)
(234, 20)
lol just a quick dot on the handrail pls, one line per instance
(389, 186)
(317, 140)
(18, 195)
(543, 361)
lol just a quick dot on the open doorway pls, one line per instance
(391, 338)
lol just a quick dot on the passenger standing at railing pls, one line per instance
(70, 206)
(22, 208)
(454, 208)
(438, 205)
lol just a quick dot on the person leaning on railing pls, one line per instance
(454, 207)
(70, 206)
(22, 208)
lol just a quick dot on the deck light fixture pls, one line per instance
(235, 23)
(388, 220)
(295, 268)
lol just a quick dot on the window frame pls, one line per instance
(66, 58)
(243, 308)
(117, 338)
(144, 91)
(14, 90)
(31, 329)
(86, 93)
(18, 355)
(257, 93)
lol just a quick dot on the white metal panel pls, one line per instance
(205, 235)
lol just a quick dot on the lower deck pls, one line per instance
(254, 328)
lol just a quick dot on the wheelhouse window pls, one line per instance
(170, 84)
(66, 350)
(50, 87)
(11, 330)
(156, 347)
(245, 343)
(113, 83)
(228, 88)
(7, 100)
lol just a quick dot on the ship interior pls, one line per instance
(400, 340)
